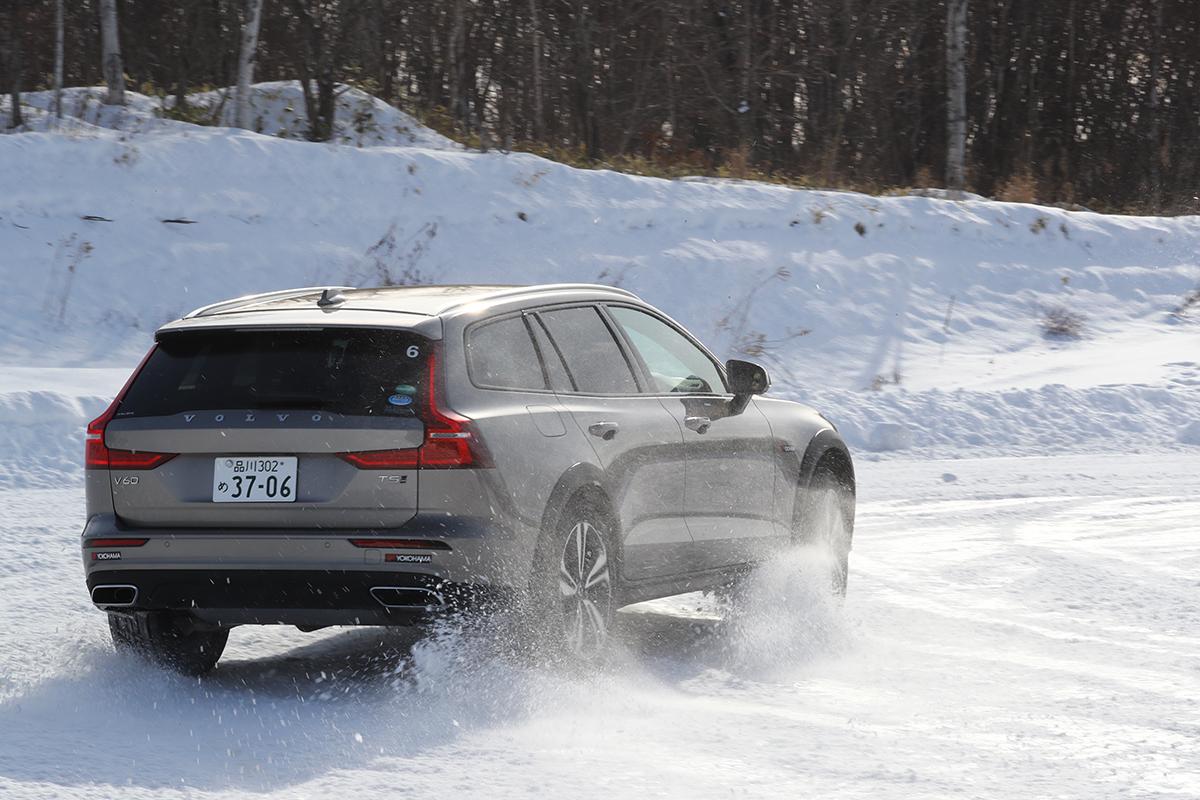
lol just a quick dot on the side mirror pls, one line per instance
(746, 378)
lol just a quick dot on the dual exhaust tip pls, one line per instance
(407, 597)
(114, 596)
(124, 595)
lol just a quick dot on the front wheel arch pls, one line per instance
(827, 454)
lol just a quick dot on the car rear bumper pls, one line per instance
(304, 577)
(459, 550)
(292, 597)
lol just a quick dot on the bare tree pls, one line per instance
(854, 92)
(11, 45)
(956, 94)
(59, 24)
(1154, 172)
(114, 74)
(536, 52)
(456, 49)
(245, 73)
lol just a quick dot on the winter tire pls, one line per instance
(169, 640)
(825, 517)
(573, 592)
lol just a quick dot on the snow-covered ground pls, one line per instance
(1026, 630)
(1022, 620)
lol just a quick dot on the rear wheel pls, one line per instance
(573, 600)
(168, 639)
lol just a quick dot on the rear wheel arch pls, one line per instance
(581, 483)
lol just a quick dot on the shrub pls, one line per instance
(1190, 301)
(1060, 322)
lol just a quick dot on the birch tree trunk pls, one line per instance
(1155, 167)
(745, 108)
(114, 74)
(538, 111)
(59, 23)
(458, 88)
(956, 94)
(245, 73)
(12, 53)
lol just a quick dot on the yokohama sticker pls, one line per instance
(408, 558)
(114, 555)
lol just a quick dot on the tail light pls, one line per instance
(97, 454)
(451, 441)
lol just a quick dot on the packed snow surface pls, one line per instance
(1020, 385)
(1028, 630)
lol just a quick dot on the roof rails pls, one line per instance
(516, 291)
(254, 299)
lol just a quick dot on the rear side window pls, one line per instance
(501, 355)
(354, 371)
(593, 357)
(556, 371)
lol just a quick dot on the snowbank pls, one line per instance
(1044, 421)
(276, 109)
(41, 437)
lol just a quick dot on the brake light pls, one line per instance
(401, 544)
(97, 454)
(115, 542)
(384, 459)
(451, 441)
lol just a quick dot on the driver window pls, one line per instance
(675, 364)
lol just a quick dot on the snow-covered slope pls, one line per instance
(917, 311)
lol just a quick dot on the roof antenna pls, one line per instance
(330, 297)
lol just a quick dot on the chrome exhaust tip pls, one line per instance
(114, 596)
(406, 597)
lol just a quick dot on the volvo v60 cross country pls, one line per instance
(342, 456)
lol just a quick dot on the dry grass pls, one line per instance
(1019, 188)
(664, 162)
(1060, 322)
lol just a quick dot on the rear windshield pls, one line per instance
(356, 371)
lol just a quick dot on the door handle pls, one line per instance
(605, 430)
(697, 424)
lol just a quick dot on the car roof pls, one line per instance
(424, 300)
(410, 306)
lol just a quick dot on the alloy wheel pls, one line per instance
(585, 589)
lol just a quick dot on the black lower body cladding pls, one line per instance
(246, 596)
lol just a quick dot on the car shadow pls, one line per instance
(264, 724)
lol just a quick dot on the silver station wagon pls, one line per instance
(340, 456)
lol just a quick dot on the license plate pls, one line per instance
(254, 479)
